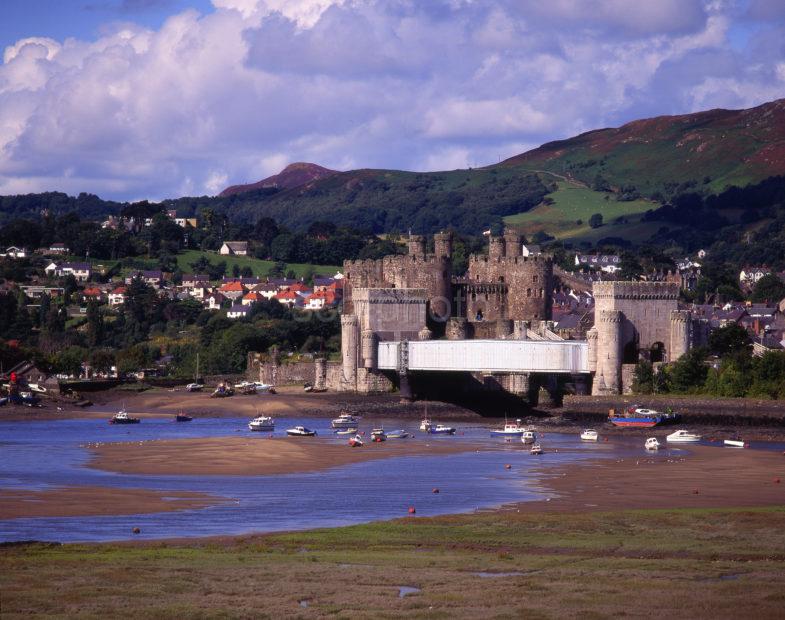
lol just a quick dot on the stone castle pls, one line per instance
(504, 295)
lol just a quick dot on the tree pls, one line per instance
(643, 379)
(595, 221)
(95, 324)
(729, 339)
(688, 374)
(768, 289)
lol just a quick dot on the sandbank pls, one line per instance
(253, 456)
(97, 501)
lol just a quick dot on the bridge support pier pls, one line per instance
(405, 388)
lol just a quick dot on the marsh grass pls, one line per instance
(685, 563)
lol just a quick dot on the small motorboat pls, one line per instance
(509, 430)
(398, 434)
(425, 425)
(182, 417)
(122, 417)
(262, 423)
(194, 387)
(682, 436)
(528, 437)
(300, 431)
(346, 431)
(356, 442)
(345, 420)
(378, 435)
(652, 444)
(35, 387)
(222, 391)
(734, 443)
(589, 434)
(536, 449)
(441, 429)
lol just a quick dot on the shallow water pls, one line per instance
(41, 454)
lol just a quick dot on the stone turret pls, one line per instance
(349, 350)
(442, 244)
(591, 338)
(680, 341)
(416, 246)
(495, 247)
(369, 349)
(607, 379)
(512, 244)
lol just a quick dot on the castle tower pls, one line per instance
(457, 328)
(607, 378)
(495, 247)
(512, 244)
(416, 246)
(442, 243)
(680, 340)
(591, 338)
(349, 350)
(369, 349)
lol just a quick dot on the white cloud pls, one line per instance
(235, 95)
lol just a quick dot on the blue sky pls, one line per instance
(135, 99)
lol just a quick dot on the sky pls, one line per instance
(153, 99)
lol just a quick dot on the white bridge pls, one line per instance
(503, 356)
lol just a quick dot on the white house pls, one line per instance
(234, 248)
(117, 296)
(214, 301)
(750, 275)
(14, 252)
(238, 311)
(530, 249)
(81, 271)
(58, 248)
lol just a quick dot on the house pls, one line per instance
(192, 280)
(59, 248)
(320, 300)
(117, 296)
(234, 248)
(282, 284)
(290, 298)
(299, 287)
(602, 262)
(14, 252)
(751, 275)
(92, 293)
(185, 222)
(232, 290)
(702, 254)
(238, 311)
(38, 291)
(213, 301)
(530, 249)
(81, 271)
(251, 298)
(266, 290)
(322, 284)
(154, 278)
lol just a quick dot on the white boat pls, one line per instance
(262, 387)
(399, 434)
(244, 384)
(425, 425)
(262, 423)
(528, 437)
(194, 387)
(122, 417)
(300, 431)
(441, 429)
(536, 449)
(510, 430)
(34, 387)
(682, 436)
(652, 444)
(346, 431)
(378, 434)
(345, 420)
(589, 434)
(356, 441)
(734, 443)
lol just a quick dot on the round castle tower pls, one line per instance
(681, 322)
(607, 379)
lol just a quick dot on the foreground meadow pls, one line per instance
(699, 563)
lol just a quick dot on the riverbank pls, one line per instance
(254, 456)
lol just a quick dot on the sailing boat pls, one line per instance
(195, 386)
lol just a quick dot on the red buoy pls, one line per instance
(412, 510)
(695, 491)
(776, 481)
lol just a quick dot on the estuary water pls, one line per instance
(45, 454)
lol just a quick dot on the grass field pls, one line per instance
(683, 564)
(259, 267)
(572, 202)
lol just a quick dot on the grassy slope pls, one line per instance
(259, 267)
(571, 202)
(686, 563)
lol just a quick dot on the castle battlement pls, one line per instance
(635, 290)
(510, 260)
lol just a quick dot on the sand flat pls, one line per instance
(97, 501)
(253, 456)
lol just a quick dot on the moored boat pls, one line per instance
(734, 443)
(194, 387)
(122, 417)
(441, 429)
(589, 434)
(300, 431)
(635, 417)
(536, 449)
(262, 423)
(182, 417)
(378, 435)
(346, 431)
(651, 444)
(510, 430)
(356, 441)
(528, 437)
(682, 436)
(345, 420)
(397, 434)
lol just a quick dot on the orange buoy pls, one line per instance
(695, 492)
(435, 490)
(136, 530)
(412, 510)
(776, 481)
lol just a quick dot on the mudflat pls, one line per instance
(97, 501)
(252, 456)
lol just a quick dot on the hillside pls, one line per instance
(294, 175)
(715, 149)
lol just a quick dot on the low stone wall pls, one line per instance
(282, 374)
